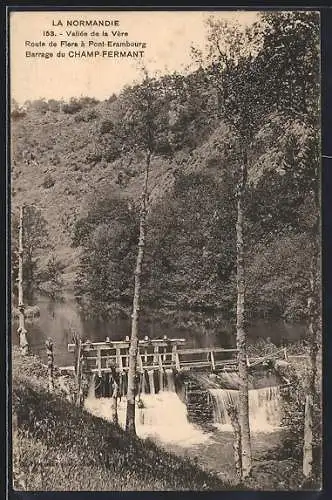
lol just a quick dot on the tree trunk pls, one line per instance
(131, 392)
(50, 363)
(24, 345)
(114, 403)
(313, 328)
(240, 330)
(79, 373)
(233, 414)
(308, 437)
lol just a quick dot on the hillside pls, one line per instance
(82, 452)
(54, 167)
(82, 164)
(60, 163)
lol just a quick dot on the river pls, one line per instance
(164, 416)
(60, 319)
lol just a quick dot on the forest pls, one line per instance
(205, 174)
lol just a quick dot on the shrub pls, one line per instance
(93, 158)
(48, 181)
(106, 126)
(112, 153)
(86, 115)
(72, 107)
(18, 113)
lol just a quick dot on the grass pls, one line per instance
(57, 446)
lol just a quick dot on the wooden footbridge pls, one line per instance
(155, 354)
(161, 364)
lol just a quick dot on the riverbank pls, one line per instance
(57, 446)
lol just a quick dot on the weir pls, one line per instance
(264, 407)
(179, 391)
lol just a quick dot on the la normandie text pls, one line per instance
(85, 22)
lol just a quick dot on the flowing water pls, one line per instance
(264, 408)
(163, 416)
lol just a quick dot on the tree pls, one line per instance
(21, 329)
(52, 277)
(143, 120)
(107, 234)
(35, 239)
(289, 60)
(267, 79)
(229, 54)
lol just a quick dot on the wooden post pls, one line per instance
(24, 344)
(78, 373)
(119, 360)
(114, 402)
(212, 361)
(155, 357)
(140, 362)
(174, 354)
(50, 363)
(285, 353)
(177, 361)
(99, 361)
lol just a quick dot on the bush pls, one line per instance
(18, 113)
(53, 105)
(112, 153)
(86, 115)
(48, 181)
(106, 126)
(72, 107)
(93, 158)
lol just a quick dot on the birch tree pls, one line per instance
(146, 128)
(289, 59)
(229, 61)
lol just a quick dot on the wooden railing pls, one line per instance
(158, 354)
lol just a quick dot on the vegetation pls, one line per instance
(36, 276)
(58, 446)
(220, 148)
(192, 182)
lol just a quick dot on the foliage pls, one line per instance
(61, 447)
(293, 406)
(16, 111)
(108, 234)
(51, 278)
(48, 181)
(35, 239)
(195, 146)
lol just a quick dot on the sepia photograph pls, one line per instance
(165, 250)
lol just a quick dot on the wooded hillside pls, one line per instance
(79, 162)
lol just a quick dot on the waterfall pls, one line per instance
(92, 386)
(151, 382)
(163, 416)
(264, 407)
(170, 380)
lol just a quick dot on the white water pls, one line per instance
(264, 408)
(151, 382)
(163, 418)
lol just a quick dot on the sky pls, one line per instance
(168, 37)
